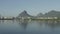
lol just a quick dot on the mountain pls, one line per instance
(40, 15)
(52, 13)
(24, 14)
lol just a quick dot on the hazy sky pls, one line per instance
(33, 7)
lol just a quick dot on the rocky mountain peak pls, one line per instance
(24, 14)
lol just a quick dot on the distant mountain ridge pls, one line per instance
(52, 13)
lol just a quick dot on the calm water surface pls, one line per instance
(29, 27)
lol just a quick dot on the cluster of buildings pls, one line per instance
(6, 18)
(47, 18)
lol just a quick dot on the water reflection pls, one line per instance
(52, 25)
(23, 23)
(30, 27)
(1, 21)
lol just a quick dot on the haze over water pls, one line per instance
(29, 27)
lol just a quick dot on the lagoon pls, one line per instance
(29, 27)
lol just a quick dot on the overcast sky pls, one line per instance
(33, 7)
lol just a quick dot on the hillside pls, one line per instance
(51, 13)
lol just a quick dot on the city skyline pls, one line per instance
(33, 7)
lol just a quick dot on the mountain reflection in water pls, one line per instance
(29, 27)
(23, 24)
